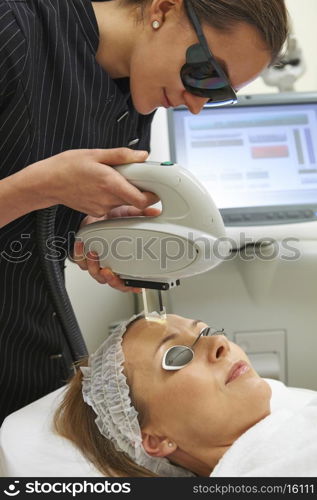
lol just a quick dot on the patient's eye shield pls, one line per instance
(186, 239)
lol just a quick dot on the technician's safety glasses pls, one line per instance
(178, 356)
(202, 75)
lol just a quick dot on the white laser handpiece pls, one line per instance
(186, 239)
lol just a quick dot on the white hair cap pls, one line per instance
(105, 389)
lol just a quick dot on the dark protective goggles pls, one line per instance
(178, 356)
(202, 75)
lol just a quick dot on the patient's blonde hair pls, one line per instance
(75, 420)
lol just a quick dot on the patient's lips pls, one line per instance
(239, 368)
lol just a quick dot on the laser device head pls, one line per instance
(156, 252)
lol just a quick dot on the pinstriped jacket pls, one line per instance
(54, 96)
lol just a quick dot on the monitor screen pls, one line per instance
(258, 158)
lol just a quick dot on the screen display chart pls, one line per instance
(251, 156)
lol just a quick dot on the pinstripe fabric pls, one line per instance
(53, 97)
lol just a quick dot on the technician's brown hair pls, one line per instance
(269, 17)
(75, 420)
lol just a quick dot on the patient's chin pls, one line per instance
(264, 394)
(260, 393)
(262, 385)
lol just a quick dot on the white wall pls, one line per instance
(303, 15)
(96, 306)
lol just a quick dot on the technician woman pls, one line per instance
(79, 83)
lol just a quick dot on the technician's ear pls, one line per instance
(159, 8)
(157, 446)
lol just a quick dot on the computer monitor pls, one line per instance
(257, 158)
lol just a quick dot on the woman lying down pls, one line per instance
(179, 399)
(173, 399)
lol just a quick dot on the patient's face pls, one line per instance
(195, 406)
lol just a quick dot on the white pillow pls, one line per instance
(288, 398)
(29, 447)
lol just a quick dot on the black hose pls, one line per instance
(53, 274)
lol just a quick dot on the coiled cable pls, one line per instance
(73, 338)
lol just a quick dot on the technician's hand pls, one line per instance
(90, 262)
(84, 180)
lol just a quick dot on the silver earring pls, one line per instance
(170, 444)
(156, 25)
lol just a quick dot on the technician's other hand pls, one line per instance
(90, 262)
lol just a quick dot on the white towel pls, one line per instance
(284, 444)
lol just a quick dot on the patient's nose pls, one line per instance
(218, 347)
